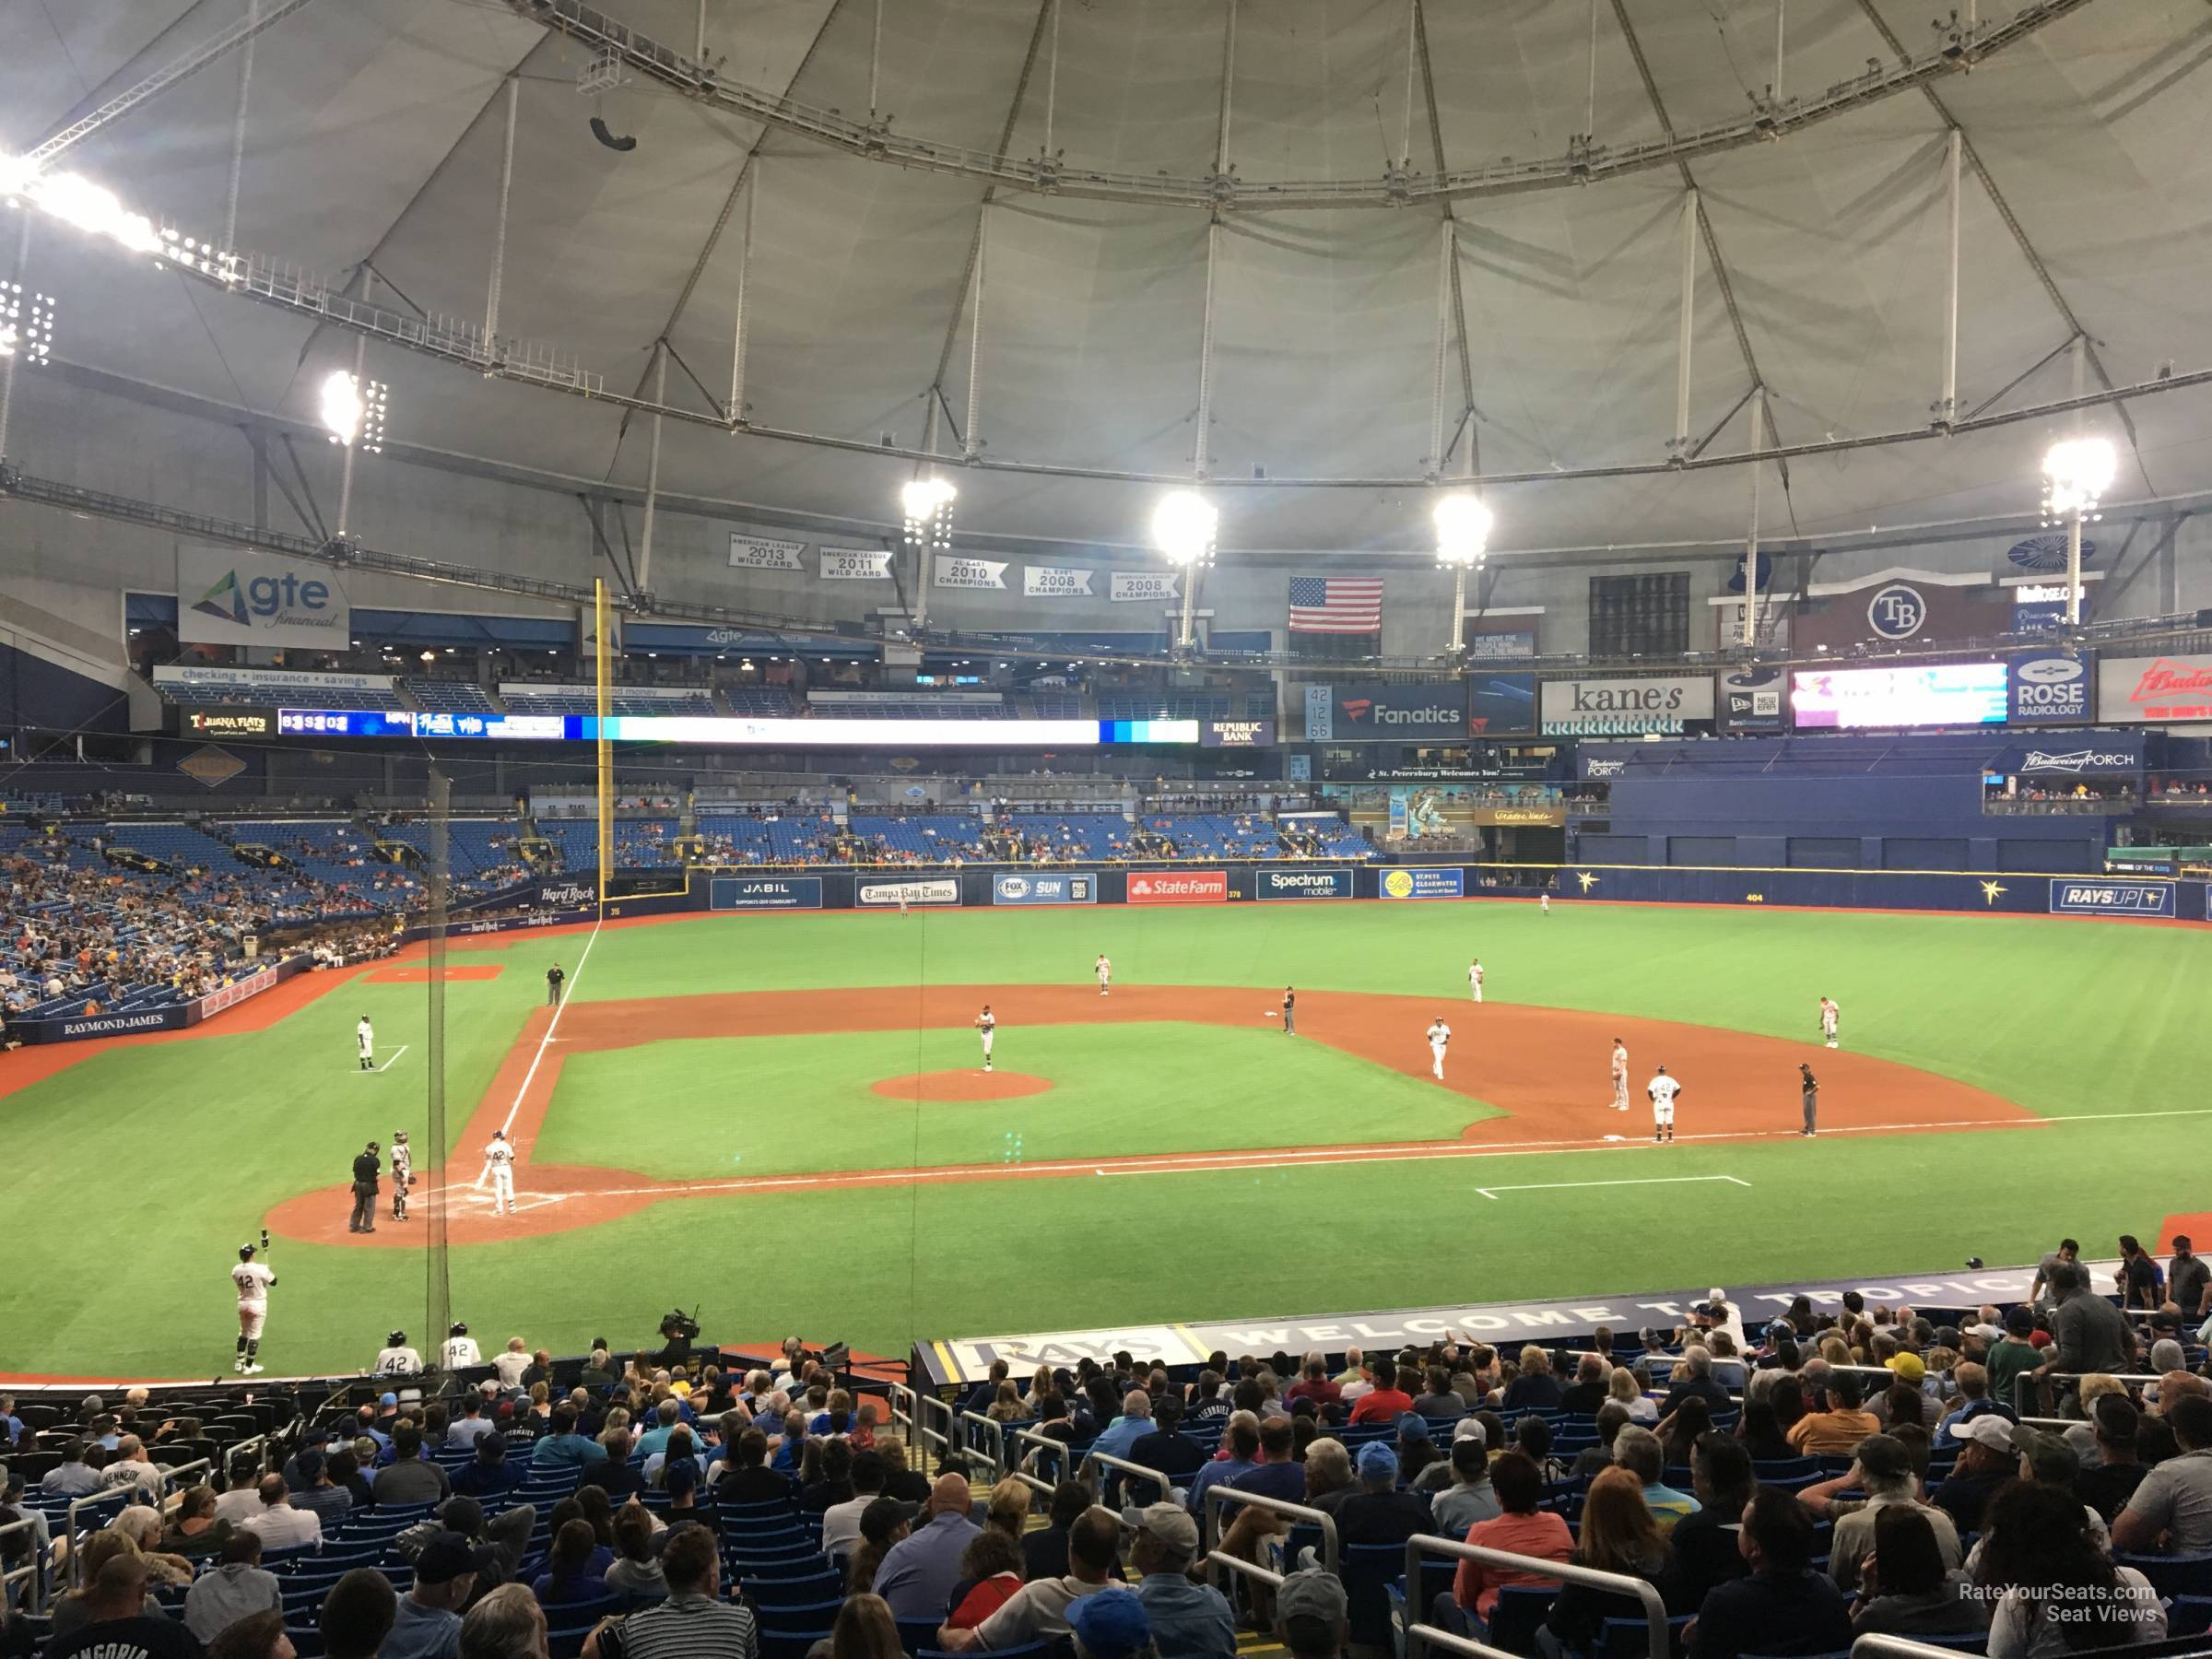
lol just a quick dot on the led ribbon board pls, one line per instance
(732, 732)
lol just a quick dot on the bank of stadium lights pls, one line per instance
(2076, 473)
(353, 410)
(26, 324)
(1463, 537)
(1183, 527)
(926, 506)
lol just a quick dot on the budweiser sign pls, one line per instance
(1178, 886)
(2168, 690)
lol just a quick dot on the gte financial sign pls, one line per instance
(1599, 707)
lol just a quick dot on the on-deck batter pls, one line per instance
(252, 1279)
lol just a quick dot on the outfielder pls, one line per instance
(1439, 1037)
(364, 1036)
(403, 1173)
(499, 1161)
(1662, 1090)
(1544, 903)
(252, 1279)
(1104, 969)
(1474, 979)
(986, 1026)
(1829, 1015)
(1620, 1075)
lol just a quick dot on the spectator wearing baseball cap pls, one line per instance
(1987, 1460)
(1882, 1468)
(2114, 1423)
(1114, 1624)
(1313, 1615)
(1186, 1620)
(427, 1624)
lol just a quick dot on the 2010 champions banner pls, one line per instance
(1076, 888)
(959, 572)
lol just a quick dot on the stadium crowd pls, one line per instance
(2016, 1483)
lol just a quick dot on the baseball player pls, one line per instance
(1828, 1014)
(986, 1025)
(1663, 1089)
(1808, 1088)
(403, 1173)
(1474, 979)
(1620, 1075)
(460, 1351)
(1544, 902)
(364, 1036)
(252, 1279)
(1289, 1012)
(397, 1359)
(499, 1161)
(1104, 969)
(1439, 1037)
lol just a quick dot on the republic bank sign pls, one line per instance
(1624, 708)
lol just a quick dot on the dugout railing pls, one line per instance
(1420, 1633)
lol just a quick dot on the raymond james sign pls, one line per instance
(1624, 707)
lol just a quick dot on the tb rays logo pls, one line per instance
(1897, 612)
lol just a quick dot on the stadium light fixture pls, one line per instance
(1463, 537)
(77, 201)
(26, 324)
(353, 410)
(1183, 527)
(925, 505)
(2076, 473)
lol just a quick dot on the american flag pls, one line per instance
(1339, 604)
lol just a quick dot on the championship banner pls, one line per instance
(1593, 708)
(1135, 587)
(853, 564)
(1081, 888)
(2111, 898)
(1178, 886)
(970, 573)
(1302, 883)
(752, 553)
(764, 893)
(1055, 581)
(231, 597)
(936, 891)
(1421, 882)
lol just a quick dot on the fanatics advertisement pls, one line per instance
(1753, 700)
(1302, 883)
(1419, 882)
(764, 893)
(2162, 688)
(1367, 713)
(1081, 888)
(892, 894)
(2111, 898)
(751, 553)
(2049, 687)
(1055, 581)
(1936, 694)
(1179, 887)
(229, 596)
(1620, 707)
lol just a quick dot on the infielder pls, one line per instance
(460, 1351)
(499, 1161)
(986, 1026)
(1808, 1088)
(364, 1036)
(1828, 1014)
(252, 1279)
(1662, 1090)
(1474, 979)
(403, 1173)
(1104, 969)
(1439, 1037)
(1620, 1075)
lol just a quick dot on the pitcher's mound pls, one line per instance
(977, 1085)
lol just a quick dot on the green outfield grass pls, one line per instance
(131, 1177)
(827, 1117)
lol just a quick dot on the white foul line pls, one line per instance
(387, 1065)
(1553, 1187)
(567, 989)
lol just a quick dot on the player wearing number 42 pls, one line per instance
(252, 1281)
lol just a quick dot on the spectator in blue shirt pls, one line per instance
(564, 1447)
(919, 1572)
(10, 1424)
(1240, 1443)
(491, 1474)
(1277, 1473)
(656, 1439)
(1189, 1620)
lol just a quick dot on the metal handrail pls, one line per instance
(995, 1437)
(33, 1567)
(1140, 1471)
(1218, 1496)
(174, 1485)
(105, 1495)
(1421, 1544)
(1060, 1449)
(1876, 1644)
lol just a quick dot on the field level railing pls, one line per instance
(1218, 1497)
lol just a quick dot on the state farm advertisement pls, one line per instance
(2167, 690)
(1178, 886)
